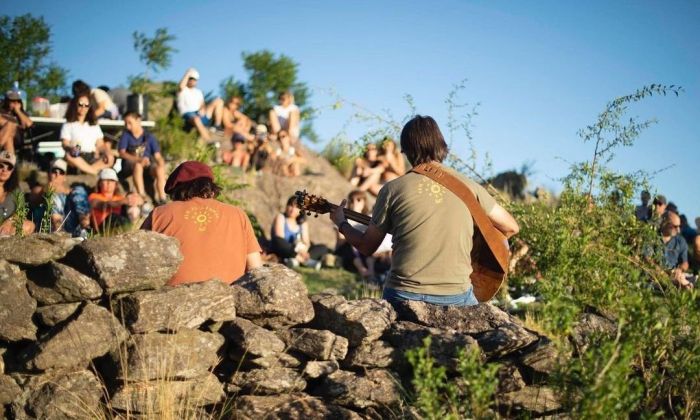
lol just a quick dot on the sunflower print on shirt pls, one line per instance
(201, 216)
(432, 189)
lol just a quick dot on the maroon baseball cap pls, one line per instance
(186, 172)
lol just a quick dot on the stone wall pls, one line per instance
(88, 328)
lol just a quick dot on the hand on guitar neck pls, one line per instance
(319, 205)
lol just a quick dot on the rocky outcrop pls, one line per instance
(110, 340)
(35, 249)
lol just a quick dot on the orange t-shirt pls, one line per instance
(99, 215)
(215, 238)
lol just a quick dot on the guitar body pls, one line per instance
(487, 275)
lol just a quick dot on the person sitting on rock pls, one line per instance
(82, 138)
(140, 151)
(392, 159)
(288, 159)
(107, 206)
(368, 170)
(290, 239)
(13, 121)
(675, 249)
(9, 183)
(286, 116)
(193, 108)
(236, 122)
(216, 239)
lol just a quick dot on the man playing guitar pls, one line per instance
(432, 235)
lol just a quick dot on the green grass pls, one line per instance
(346, 283)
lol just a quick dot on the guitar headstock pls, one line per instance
(312, 203)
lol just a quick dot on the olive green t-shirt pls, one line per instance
(432, 233)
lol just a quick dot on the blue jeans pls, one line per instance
(189, 115)
(464, 299)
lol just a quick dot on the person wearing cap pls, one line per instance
(13, 120)
(140, 151)
(193, 108)
(9, 183)
(106, 204)
(659, 205)
(216, 239)
(263, 150)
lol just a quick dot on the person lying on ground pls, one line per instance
(13, 121)
(9, 183)
(216, 239)
(140, 152)
(432, 229)
(82, 138)
(193, 108)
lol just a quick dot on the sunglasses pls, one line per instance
(58, 171)
(6, 166)
(83, 105)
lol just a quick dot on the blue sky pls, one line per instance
(540, 70)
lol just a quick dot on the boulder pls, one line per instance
(541, 360)
(254, 340)
(444, 345)
(362, 320)
(289, 407)
(36, 249)
(376, 354)
(375, 388)
(272, 381)
(505, 340)
(54, 283)
(52, 315)
(316, 369)
(471, 320)
(174, 308)
(509, 378)
(186, 354)
(16, 306)
(155, 396)
(316, 344)
(137, 260)
(93, 333)
(587, 328)
(534, 400)
(9, 390)
(74, 395)
(273, 296)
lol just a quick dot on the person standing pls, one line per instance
(431, 227)
(216, 239)
(140, 151)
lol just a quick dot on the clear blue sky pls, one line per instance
(541, 70)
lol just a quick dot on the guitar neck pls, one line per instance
(353, 215)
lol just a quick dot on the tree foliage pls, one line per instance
(155, 53)
(268, 76)
(25, 42)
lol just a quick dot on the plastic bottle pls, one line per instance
(22, 94)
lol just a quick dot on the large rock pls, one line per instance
(588, 327)
(246, 361)
(534, 400)
(54, 283)
(316, 344)
(174, 396)
(444, 344)
(9, 390)
(541, 360)
(289, 407)
(316, 369)
(174, 308)
(74, 395)
(35, 249)
(272, 381)
(273, 296)
(376, 354)
(93, 333)
(497, 332)
(375, 388)
(362, 320)
(509, 378)
(16, 306)
(186, 354)
(138, 260)
(254, 340)
(52, 315)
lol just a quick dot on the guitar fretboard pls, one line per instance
(353, 215)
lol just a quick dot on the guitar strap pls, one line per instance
(490, 234)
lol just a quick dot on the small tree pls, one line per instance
(155, 53)
(25, 42)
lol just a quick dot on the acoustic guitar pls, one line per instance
(489, 269)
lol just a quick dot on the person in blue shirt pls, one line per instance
(675, 249)
(140, 151)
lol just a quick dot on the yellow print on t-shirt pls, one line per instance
(433, 189)
(201, 216)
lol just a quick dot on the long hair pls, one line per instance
(197, 188)
(358, 194)
(72, 111)
(422, 141)
(13, 182)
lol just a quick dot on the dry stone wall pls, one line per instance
(89, 329)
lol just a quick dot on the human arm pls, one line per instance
(503, 221)
(294, 121)
(253, 260)
(305, 238)
(278, 226)
(22, 117)
(366, 242)
(98, 203)
(274, 122)
(183, 82)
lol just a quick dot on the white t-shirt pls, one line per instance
(82, 134)
(283, 113)
(189, 100)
